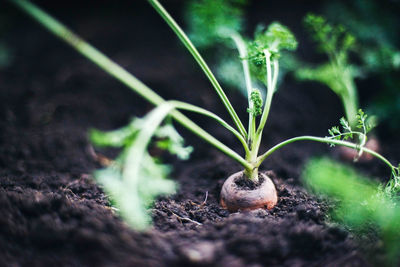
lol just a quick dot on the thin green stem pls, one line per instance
(267, 105)
(350, 100)
(270, 93)
(241, 46)
(119, 73)
(348, 95)
(192, 49)
(276, 73)
(197, 130)
(202, 111)
(320, 140)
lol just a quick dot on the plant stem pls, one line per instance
(321, 140)
(246, 70)
(202, 111)
(192, 49)
(349, 95)
(252, 173)
(267, 105)
(270, 92)
(350, 100)
(120, 74)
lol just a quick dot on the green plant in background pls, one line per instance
(213, 27)
(217, 28)
(375, 24)
(214, 21)
(137, 177)
(361, 202)
(337, 74)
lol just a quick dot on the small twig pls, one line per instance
(186, 219)
(103, 160)
(205, 199)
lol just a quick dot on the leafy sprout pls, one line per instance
(347, 133)
(136, 178)
(275, 39)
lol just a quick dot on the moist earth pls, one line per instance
(52, 210)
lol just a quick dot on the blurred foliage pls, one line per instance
(212, 21)
(376, 25)
(337, 73)
(136, 178)
(361, 203)
(211, 24)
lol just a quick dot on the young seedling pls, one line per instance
(136, 178)
(337, 74)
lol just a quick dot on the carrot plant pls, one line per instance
(375, 26)
(137, 177)
(337, 74)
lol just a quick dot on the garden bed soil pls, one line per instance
(53, 212)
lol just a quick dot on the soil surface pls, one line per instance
(247, 184)
(52, 212)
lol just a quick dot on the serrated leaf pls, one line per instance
(172, 142)
(116, 138)
(276, 38)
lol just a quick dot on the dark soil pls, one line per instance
(53, 212)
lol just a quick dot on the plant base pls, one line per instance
(236, 198)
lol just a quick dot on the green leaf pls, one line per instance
(212, 21)
(133, 199)
(331, 39)
(172, 142)
(346, 125)
(325, 74)
(116, 138)
(276, 38)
